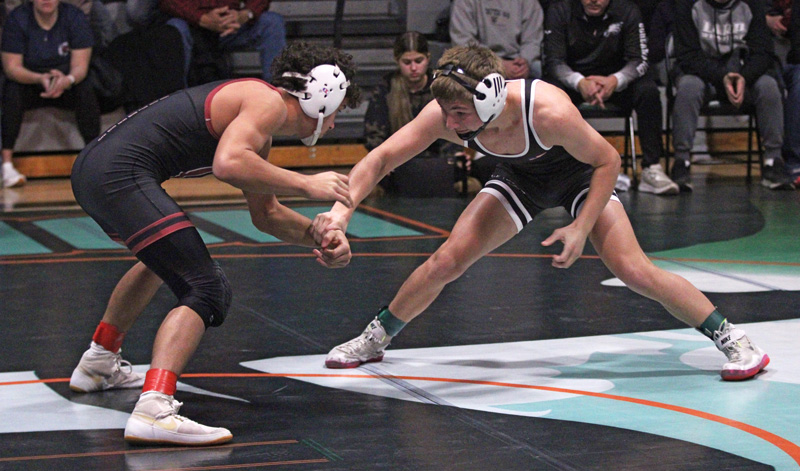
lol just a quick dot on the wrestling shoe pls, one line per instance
(366, 348)
(11, 177)
(655, 181)
(100, 369)
(745, 359)
(155, 420)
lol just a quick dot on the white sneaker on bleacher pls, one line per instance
(654, 180)
(155, 420)
(11, 177)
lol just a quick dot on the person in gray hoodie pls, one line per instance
(724, 51)
(512, 29)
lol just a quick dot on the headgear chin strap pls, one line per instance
(325, 89)
(488, 95)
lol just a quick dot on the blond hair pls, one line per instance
(475, 61)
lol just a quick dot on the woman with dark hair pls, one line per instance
(397, 101)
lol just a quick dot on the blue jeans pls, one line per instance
(266, 34)
(791, 115)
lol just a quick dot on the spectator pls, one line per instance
(224, 25)
(732, 60)
(778, 16)
(596, 50)
(512, 29)
(396, 102)
(791, 76)
(46, 48)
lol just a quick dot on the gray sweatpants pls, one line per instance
(692, 92)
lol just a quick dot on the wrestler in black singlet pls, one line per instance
(539, 177)
(117, 180)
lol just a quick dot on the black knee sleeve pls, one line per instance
(182, 261)
(209, 296)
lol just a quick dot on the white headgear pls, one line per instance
(489, 95)
(324, 93)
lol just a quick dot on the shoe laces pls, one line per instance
(730, 346)
(366, 340)
(172, 411)
(119, 364)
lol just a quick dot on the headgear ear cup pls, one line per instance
(326, 87)
(490, 97)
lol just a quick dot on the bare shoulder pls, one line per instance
(260, 103)
(553, 112)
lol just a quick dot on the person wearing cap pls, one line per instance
(225, 128)
(552, 158)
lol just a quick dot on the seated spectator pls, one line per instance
(46, 49)
(512, 29)
(732, 62)
(778, 17)
(224, 25)
(791, 76)
(596, 51)
(396, 102)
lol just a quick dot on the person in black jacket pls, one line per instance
(596, 50)
(724, 51)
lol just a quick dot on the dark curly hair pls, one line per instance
(301, 57)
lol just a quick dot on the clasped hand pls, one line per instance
(734, 88)
(596, 89)
(54, 84)
(329, 232)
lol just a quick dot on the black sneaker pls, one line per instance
(680, 174)
(776, 177)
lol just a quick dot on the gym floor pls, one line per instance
(517, 366)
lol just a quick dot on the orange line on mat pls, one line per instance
(783, 444)
(404, 219)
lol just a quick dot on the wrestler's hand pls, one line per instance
(334, 251)
(573, 240)
(325, 222)
(328, 186)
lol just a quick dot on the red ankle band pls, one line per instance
(163, 381)
(109, 337)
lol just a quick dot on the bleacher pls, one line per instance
(49, 139)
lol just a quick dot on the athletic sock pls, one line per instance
(163, 381)
(714, 322)
(391, 324)
(108, 337)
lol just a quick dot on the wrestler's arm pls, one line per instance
(270, 216)
(559, 123)
(259, 113)
(400, 147)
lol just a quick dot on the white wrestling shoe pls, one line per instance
(155, 420)
(366, 348)
(745, 359)
(100, 370)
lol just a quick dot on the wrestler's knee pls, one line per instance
(446, 264)
(209, 296)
